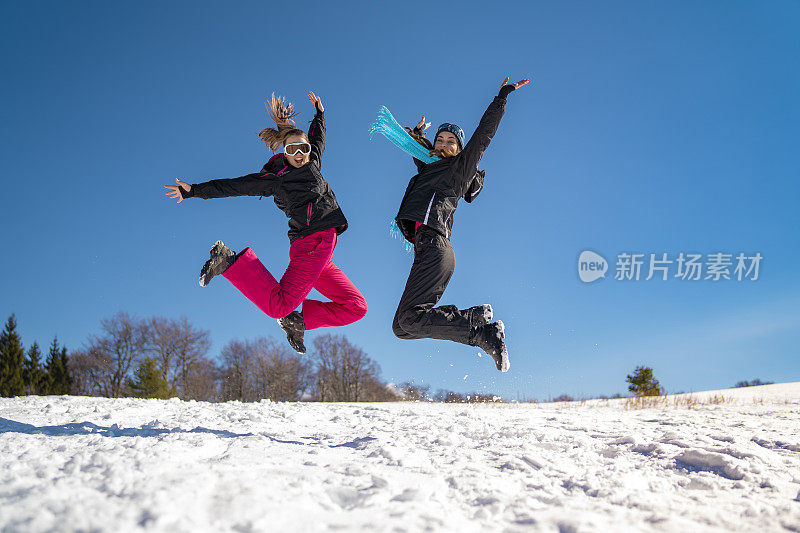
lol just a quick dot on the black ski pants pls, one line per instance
(416, 316)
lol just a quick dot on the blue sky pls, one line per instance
(648, 128)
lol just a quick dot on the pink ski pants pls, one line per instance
(310, 267)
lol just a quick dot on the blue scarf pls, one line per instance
(388, 126)
(392, 130)
(394, 231)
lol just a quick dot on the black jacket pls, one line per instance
(302, 193)
(433, 194)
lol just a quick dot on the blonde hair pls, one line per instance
(283, 114)
(433, 152)
(443, 153)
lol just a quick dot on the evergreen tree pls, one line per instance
(66, 378)
(642, 382)
(56, 369)
(149, 382)
(12, 356)
(33, 374)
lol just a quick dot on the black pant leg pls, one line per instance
(416, 316)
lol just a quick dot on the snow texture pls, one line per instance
(93, 464)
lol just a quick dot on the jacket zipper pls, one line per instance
(428, 212)
(308, 215)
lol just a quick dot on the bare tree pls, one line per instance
(280, 374)
(415, 393)
(200, 382)
(113, 353)
(162, 344)
(235, 372)
(176, 346)
(90, 370)
(344, 373)
(377, 391)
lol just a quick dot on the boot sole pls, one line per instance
(505, 364)
(488, 314)
(295, 348)
(207, 266)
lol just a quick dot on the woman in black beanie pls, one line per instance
(425, 219)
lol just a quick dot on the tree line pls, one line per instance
(22, 373)
(159, 357)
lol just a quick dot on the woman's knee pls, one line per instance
(283, 308)
(277, 313)
(399, 332)
(359, 307)
(408, 322)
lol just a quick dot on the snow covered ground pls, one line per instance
(90, 464)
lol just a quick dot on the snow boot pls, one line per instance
(489, 338)
(480, 315)
(295, 328)
(221, 258)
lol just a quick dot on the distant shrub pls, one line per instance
(448, 396)
(483, 398)
(612, 397)
(452, 397)
(754, 383)
(564, 398)
(415, 393)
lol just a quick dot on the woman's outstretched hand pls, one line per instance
(173, 191)
(517, 85)
(316, 100)
(422, 125)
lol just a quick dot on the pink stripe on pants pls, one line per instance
(310, 266)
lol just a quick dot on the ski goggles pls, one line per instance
(293, 148)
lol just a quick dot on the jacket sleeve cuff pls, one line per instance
(185, 194)
(504, 90)
(419, 136)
